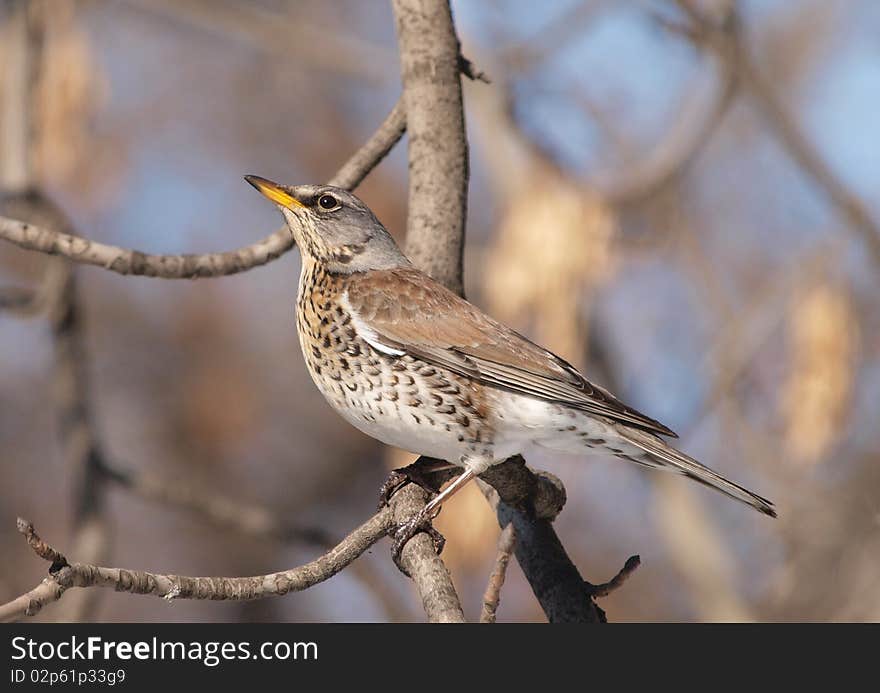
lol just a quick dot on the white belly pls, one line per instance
(400, 430)
(521, 422)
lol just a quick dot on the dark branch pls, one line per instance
(606, 588)
(438, 159)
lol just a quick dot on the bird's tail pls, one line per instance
(665, 456)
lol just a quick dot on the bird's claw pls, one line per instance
(415, 473)
(403, 533)
(395, 481)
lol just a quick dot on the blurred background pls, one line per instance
(691, 220)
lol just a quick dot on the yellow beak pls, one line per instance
(274, 191)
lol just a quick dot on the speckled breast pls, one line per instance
(398, 400)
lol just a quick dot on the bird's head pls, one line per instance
(333, 227)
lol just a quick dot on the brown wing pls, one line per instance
(406, 311)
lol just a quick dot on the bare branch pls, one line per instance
(373, 150)
(19, 300)
(427, 570)
(540, 494)
(569, 25)
(430, 60)
(471, 71)
(563, 594)
(606, 588)
(435, 240)
(245, 518)
(58, 294)
(191, 266)
(253, 520)
(303, 41)
(64, 575)
(38, 546)
(24, 37)
(703, 111)
(492, 596)
(725, 38)
(438, 149)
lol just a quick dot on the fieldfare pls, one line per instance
(413, 365)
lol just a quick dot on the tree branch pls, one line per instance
(58, 295)
(492, 596)
(230, 513)
(64, 575)
(191, 266)
(693, 127)
(438, 159)
(438, 149)
(563, 594)
(430, 62)
(431, 75)
(724, 37)
(606, 588)
(424, 566)
(245, 518)
(304, 42)
(17, 299)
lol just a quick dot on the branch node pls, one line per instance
(471, 71)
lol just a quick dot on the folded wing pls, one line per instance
(403, 311)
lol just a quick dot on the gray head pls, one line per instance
(333, 227)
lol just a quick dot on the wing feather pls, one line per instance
(405, 311)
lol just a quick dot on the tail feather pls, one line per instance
(671, 458)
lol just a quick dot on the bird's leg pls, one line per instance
(409, 529)
(418, 473)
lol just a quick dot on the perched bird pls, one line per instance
(414, 365)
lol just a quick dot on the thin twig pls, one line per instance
(18, 300)
(725, 38)
(40, 547)
(245, 518)
(471, 71)
(191, 266)
(692, 129)
(606, 588)
(64, 575)
(492, 596)
(567, 26)
(304, 42)
(58, 295)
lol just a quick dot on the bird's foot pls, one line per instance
(395, 481)
(429, 474)
(424, 473)
(406, 531)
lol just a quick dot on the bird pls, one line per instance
(414, 365)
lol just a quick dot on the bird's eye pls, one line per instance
(327, 202)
